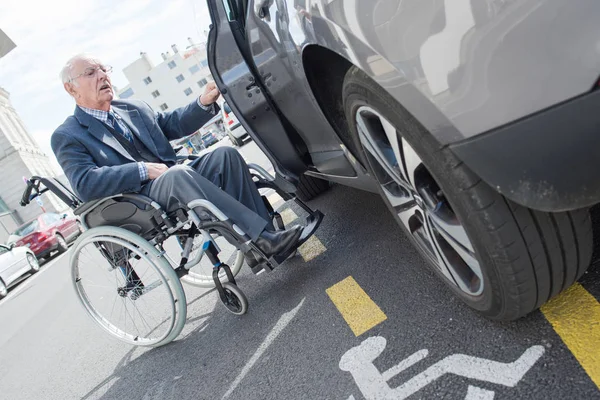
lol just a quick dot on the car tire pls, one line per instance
(34, 265)
(310, 187)
(62, 245)
(524, 257)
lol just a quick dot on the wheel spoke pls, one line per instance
(385, 160)
(407, 211)
(454, 233)
(442, 262)
(410, 162)
(467, 256)
(461, 270)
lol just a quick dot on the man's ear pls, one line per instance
(70, 88)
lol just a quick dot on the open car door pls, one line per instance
(240, 85)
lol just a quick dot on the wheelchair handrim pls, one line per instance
(176, 320)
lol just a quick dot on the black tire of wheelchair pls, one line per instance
(310, 187)
(239, 301)
(527, 256)
(61, 249)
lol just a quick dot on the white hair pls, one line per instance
(65, 72)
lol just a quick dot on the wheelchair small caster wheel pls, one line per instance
(234, 299)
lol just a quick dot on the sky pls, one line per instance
(48, 33)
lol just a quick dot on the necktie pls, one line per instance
(117, 127)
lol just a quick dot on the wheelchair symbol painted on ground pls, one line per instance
(373, 383)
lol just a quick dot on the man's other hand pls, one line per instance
(155, 170)
(210, 95)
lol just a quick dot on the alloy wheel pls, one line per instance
(419, 202)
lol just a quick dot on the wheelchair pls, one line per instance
(125, 279)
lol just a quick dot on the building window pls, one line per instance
(126, 94)
(204, 63)
(202, 82)
(164, 106)
(194, 69)
(179, 78)
(155, 94)
(187, 91)
(172, 64)
(147, 80)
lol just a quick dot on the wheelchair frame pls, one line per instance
(154, 226)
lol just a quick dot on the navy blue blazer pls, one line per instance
(98, 166)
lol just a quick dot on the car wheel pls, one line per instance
(500, 258)
(3, 289)
(62, 243)
(310, 187)
(34, 265)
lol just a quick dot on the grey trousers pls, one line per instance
(221, 177)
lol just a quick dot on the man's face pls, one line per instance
(91, 86)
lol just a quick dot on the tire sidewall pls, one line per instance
(32, 263)
(61, 248)
(358, 91)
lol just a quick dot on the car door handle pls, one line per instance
(261, 9)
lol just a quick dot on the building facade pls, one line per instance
(20, 156)
(175, 82)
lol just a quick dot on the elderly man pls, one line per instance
(112, 146)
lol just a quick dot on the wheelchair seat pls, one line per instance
(123, 212)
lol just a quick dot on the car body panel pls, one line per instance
(482, 64)
(13, 264)
(462, 68)
(236, 75)
(42, 238)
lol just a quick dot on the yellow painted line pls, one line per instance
(360, 312)
(274, 199)
(288, 215)
(311, 249)
(575, 316)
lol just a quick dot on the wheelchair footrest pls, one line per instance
(312, 224)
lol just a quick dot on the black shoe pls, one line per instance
(251, 260)
(273, 243)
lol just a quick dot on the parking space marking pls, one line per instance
(288, 216)
(359, 311)
(274, 199)
(311, 249)
(575, 316)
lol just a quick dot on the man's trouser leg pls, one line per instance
(226, 168)
(181, 184)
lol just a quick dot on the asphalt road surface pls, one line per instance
(357, 314)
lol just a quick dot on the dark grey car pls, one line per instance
(476, 120)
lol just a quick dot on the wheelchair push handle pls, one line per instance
(31, 191)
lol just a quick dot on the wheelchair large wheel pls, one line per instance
(200, 275)
(128, 287)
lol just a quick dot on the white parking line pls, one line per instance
(279, 326)
(28, 281)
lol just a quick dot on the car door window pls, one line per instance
(231, 9)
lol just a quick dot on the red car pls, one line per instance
(47, 233)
